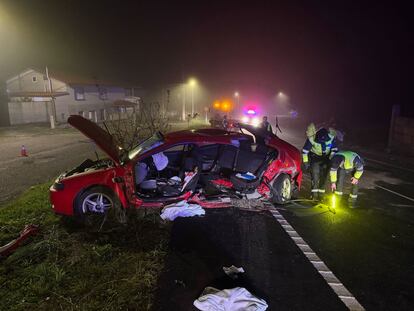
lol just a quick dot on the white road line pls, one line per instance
(390, 165)
(339, 289)
(396, 193)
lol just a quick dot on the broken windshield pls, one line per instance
(148, 144)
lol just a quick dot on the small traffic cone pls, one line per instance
(23, 151)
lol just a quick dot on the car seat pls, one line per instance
(251, 162)
(190, 167)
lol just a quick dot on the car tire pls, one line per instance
(96, 205)
(282, 189)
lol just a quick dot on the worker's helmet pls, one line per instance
(322, 135)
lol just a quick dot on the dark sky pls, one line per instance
(337, 57)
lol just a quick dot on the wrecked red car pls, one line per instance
(206, 166)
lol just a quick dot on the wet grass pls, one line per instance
(66, 267)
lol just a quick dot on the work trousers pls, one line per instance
(341, 181)
(319, 166)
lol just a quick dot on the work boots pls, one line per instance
(315, 196)
(352, 203)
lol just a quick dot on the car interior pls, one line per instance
(191, 167)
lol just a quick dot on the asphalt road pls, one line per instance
(50, 153)
(369, 249)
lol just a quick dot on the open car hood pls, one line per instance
(101, 137)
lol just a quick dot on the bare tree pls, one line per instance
(129, 128)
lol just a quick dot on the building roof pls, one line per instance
(37, 94)
(75, 79)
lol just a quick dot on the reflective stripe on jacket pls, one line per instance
(325, 148)
(346, 160)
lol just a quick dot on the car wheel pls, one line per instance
(94, 206)
(282, 189)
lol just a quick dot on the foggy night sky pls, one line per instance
(340, 57)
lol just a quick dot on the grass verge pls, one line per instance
(65, 267)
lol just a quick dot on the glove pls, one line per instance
(333, 187)
(354, 181)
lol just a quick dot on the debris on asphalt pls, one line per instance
(238, 298)
(180, 283)
(250, 204)
(233, 271)
(181, 209)
(10, 247)
(254, 195)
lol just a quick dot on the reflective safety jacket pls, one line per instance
(346, 160)
(327, 148)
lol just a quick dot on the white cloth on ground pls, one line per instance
(181, 209)
(234, 299)
(160, 160)
(233, 271)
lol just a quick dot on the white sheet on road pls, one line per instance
(181, 209)
(234, 299)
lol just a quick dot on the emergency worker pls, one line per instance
(342, 163)
(319, 147)
(266, 125)
(225, 122)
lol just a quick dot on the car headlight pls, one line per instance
(245, 120)
(59, 186)
(255, 122)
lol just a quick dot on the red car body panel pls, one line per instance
(63, 200)
(120, 177)
(287, 162)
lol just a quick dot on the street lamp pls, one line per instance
(192, 82)
(282, 97)
(237, 96)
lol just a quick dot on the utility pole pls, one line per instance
(192, 101)
(53, 108)
(168, 99)
(183, 111)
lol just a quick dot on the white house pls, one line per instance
(35, 96)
